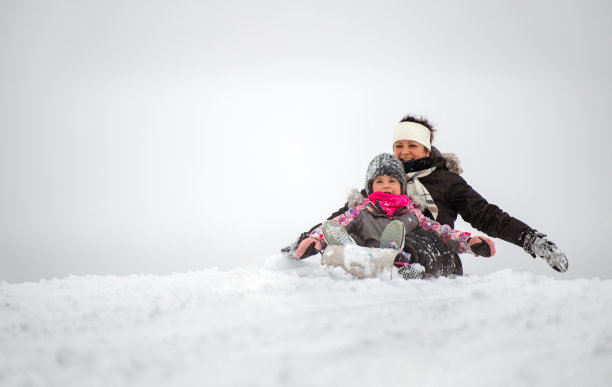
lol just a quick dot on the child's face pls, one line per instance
(386, 184)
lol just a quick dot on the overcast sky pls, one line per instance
(159, 137)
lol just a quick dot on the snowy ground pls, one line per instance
(296, 324)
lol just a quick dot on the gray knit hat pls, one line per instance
(385, 164)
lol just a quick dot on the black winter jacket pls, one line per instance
(454, 196)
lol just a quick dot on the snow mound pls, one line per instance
(290, 323)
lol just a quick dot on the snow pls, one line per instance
(285, 323)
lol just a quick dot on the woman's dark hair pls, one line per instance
(423, 121)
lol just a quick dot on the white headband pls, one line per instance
(413, 132)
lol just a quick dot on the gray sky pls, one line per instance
(163, 137)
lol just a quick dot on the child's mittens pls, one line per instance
(482, 246)
(308, 247)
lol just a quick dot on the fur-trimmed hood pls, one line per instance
(448, 161)
(354, 197)
(453, 164)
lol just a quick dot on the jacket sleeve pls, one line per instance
(340, 211)
(444, 230)
(343, 220)
(484, 216)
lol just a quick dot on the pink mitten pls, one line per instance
(482, 246)
(308, 247)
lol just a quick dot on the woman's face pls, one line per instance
(407, 150)
(386, 184)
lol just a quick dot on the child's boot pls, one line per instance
(393, 236)
(336, 235)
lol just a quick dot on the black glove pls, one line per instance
(536, 244)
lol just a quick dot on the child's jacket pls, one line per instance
(366, 222)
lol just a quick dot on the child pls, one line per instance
(385, 217)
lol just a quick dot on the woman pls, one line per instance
(434, 182)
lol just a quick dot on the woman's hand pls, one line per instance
(482, 246)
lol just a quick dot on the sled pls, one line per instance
(359, 261)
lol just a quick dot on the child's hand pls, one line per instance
(482, 246)
(309, 246)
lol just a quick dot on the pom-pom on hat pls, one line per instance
(412, 131)
(385, 164)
